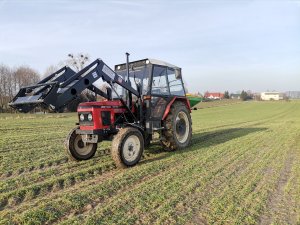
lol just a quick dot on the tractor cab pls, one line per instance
(158, 82)
(152, 77)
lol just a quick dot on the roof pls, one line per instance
(162, 63)
(146, 61)
(214, 94)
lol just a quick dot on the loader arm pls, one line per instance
(64, 89)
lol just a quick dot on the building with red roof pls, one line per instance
(214, 95)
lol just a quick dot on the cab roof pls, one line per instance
(144, 62)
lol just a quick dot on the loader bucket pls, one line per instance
(36, 95)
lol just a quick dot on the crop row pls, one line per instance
(43, 166)
(148, 200)
(81, 171)
(71, 201)
(54, 184)
(228, 174)
(39, 155)
(43, 173)
(171, 164)
(242, 169)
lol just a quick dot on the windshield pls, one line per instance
(137, 75)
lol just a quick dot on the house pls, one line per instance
(214, 95)
(267, 96)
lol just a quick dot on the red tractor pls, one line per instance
(140, 98)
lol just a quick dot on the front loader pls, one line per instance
(141, 97)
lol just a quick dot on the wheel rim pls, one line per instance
(80, 147)
(182, 127)
(131, 148)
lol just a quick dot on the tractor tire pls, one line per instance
(127, 147)
(76, 149)
(178, 128)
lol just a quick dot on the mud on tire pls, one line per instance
(76, 149)
(127, 147)
(178, 124)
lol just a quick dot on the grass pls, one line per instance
(242, 168)
(217, 103)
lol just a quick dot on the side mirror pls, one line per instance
(178, 73)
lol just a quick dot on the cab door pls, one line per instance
(165, 86)
(160, 96)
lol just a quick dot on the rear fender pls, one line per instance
(181, 99)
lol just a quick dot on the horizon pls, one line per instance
(220, 46)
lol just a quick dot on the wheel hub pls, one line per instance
(131, 148)
(80, 144)
(182, 127)
(81, 147)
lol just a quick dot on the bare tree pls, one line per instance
(24, 76)
(5, 86)
(50, 70)
(11, 80)
(78, 61)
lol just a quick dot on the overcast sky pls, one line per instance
(220, 45)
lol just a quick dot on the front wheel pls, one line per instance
(127, 147)
(77, 149)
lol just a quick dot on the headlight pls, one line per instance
(81, 117)
(90, 117)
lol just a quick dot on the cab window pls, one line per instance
(159, 81)
(176, 86)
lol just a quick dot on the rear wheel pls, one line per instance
(127, 147)
(178, 128)
(77, 149)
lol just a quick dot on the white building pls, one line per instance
(267, 96)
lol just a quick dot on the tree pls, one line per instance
(78, 62)
(50, 70)
(226, 95)
(286, 97)
(25, 76)
(5, 86)
(244, 96)
(11, 80)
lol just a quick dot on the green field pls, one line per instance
(242, 168)
(217, 103)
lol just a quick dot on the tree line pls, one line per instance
(11, 80)
(244, 96)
